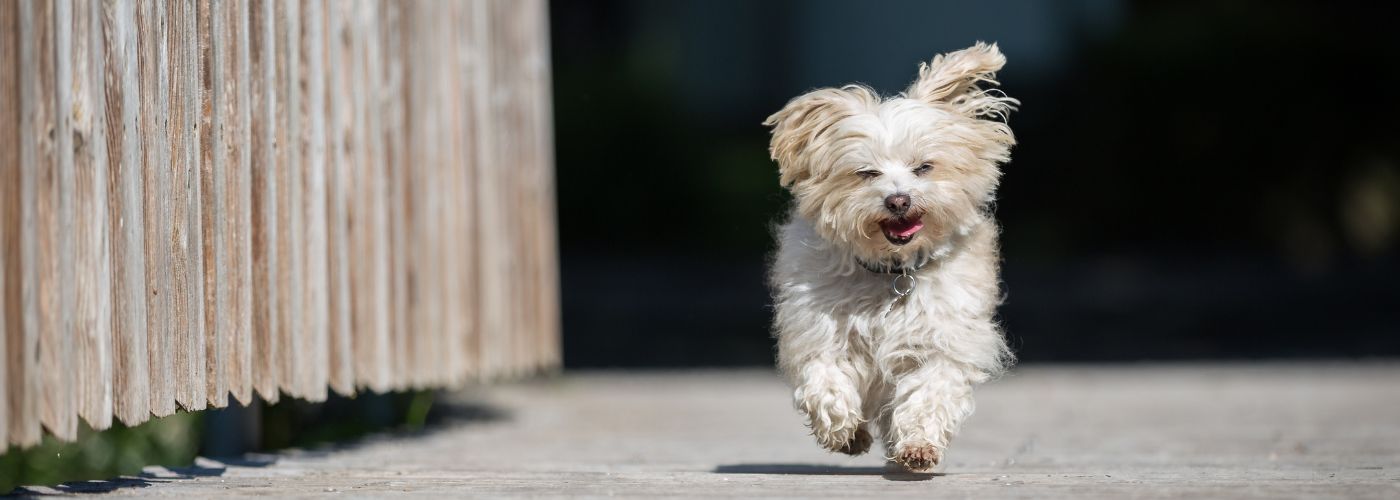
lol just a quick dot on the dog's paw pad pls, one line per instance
(921, 458)
(859, 443)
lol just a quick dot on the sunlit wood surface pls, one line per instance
(1316, 430)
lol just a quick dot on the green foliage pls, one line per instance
(174, 441)
(120, 450)
(294, 423)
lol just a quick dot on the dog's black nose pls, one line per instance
(897, 203)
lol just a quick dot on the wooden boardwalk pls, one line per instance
(1213, 431)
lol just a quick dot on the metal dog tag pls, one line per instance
(903, 284)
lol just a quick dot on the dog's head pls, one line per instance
(901, 175)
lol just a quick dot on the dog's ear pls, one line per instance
(803, 121)
(954, 79)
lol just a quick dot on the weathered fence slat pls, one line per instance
(457, 311)
(213, 189)
(419, 124)
(391, 97)
(126, 217)
(369, 214)
(491, 262)
(339, 77)
(465, 142)
(161, 321)
(310, 60)
(547, 329)
(234, 130)
(263, 129)
(57, 293)
(92, 314)
(210, 198)
(187, 243)
(9, 205)
(290, 235)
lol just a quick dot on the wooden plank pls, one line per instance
(492, 262)
(340, 76)
(314, 347)
(161, 320)
(421, 173)
(516, 29)
(509, 264)
(401, 158)
(455, 313)
(9, 216)
(370, 221)
(425, 271)
(263, 131)
(523, 184)
(449, 312)
(452, 312)
(465, 141)
(237, 153)
(55, 210)
(533, 186)
(126, 215)
(396, 157)
(290, 235)
(546, 248)
(213, 195)
(527, 184)
(543, 249)
(187, 241)
(417, 169)
(513, 78)
(92, 315)
(444, 308)
(507, 79)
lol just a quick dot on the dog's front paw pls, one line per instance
(918, 458)
(858, 444)
(842, 439)
(834, 416)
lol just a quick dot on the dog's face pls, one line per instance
(898, 176)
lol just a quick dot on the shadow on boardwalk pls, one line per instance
(444, 415)
(889, 473)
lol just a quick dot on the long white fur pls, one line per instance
(854, 352)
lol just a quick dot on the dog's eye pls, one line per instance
(868, 174)
(923, 169)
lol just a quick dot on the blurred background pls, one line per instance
(1194, 180)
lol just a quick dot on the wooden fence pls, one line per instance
(205, 198)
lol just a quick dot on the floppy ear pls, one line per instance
(953, 79)
(803, 120)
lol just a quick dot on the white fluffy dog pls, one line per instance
(885, 278)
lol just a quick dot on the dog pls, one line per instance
(885, 280)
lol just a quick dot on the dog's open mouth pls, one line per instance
(900, 231)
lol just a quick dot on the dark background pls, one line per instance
(1193, 180)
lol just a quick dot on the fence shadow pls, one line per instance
(445, 415)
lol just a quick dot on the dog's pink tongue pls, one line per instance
(904, 227)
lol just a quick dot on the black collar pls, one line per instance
(920, 260)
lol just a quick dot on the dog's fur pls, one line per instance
(856, 353)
